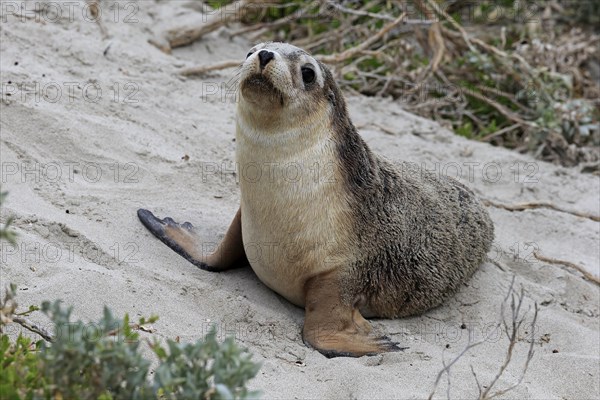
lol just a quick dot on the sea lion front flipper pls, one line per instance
(336, 329)
(183, 239)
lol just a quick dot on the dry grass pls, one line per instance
(515, 73)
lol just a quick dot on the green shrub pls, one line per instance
(103, 360)
(207, 369)
(5, 233)
(88, 361)
(19, 367)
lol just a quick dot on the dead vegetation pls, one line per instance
(512, 323)
(522, 74)
(537, 205)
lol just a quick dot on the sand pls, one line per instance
(78, 162)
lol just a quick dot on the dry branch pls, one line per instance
(568, 264)
(515, 326)
(500, 108)
(446, 369)
(337, 58)
(522, 84)
(360, 12)
(179, 37)
(500, 132)
(540, 204)
(31, 326)
(452, 22)
(8, 306)
(208, 68)
(435, 40)
(97, 14)
(512, 329)
(183, 37)
(162, 47)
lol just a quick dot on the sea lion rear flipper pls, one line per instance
(336, 329)
(183, 239)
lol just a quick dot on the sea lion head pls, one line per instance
(282, 86)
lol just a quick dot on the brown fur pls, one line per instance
(419, 236)
(375, 238)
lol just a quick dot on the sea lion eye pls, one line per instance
(249, 54)
(308, 74)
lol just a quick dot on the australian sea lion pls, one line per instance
(343, 232)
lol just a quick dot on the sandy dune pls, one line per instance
(93, 129)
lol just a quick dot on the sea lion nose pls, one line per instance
(264, 57)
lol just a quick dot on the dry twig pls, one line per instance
(97, 14)
(539, 204)
(568, 264)
(208, 68)
(513, 331)
(337, 58)
(446, 369)
(162, 47)
(361, 13)
(8, 306)
(512, 328)
(233, 12)
(521, 85)
(31, 326)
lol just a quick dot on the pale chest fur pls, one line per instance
(295, 219)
